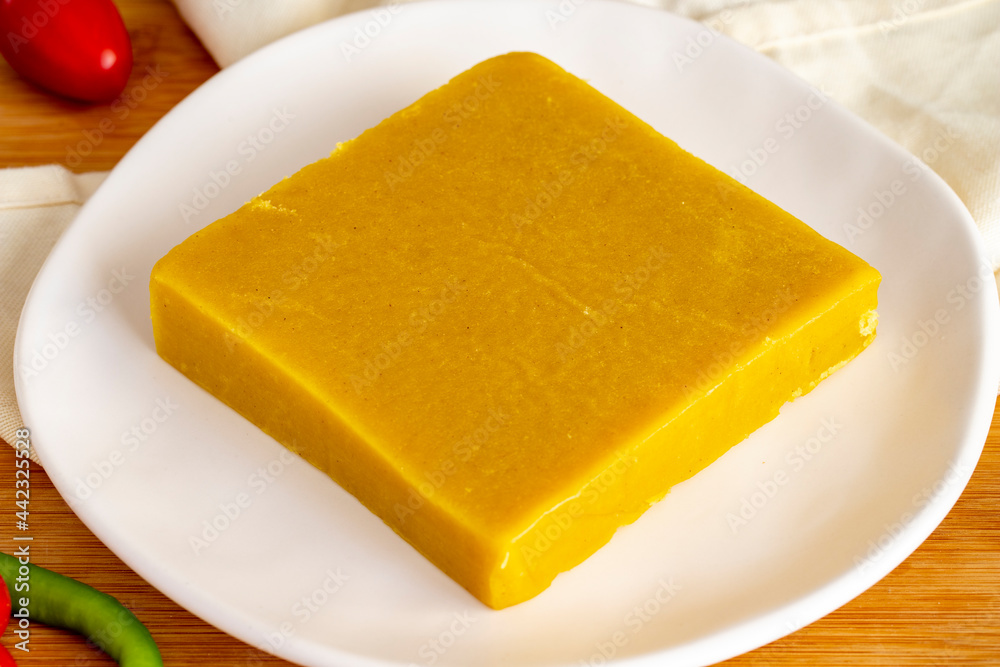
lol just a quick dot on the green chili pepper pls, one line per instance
(61, 602)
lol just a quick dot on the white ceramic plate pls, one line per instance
(809, 512)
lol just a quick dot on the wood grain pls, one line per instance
(39, 128)
(940, 607)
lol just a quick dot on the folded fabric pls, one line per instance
(36, 205)
(921, 71)
(230, 29)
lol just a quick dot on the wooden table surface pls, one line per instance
(940, 607)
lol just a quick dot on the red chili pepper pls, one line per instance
(76, 48)
(4, 606)
(5, 658)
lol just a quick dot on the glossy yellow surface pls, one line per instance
(509, 318)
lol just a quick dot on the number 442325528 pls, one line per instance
(22, 493)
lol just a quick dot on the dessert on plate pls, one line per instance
(509, 318)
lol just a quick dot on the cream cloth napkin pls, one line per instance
(924, 72)
(36, 205)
